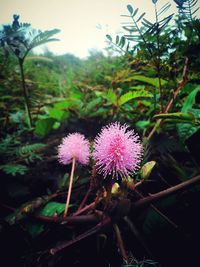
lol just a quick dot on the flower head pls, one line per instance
(117, 151)
(74, 146)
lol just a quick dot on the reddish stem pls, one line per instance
(160, 195)
(120, 242)
(104, 223)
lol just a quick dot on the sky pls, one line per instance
(83, 23)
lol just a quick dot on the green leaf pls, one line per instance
(62, 105)
(100, 112)
(151, 81)
(141, 125)
(130, 9)
(122, 42)
(137, 87)
(148, 22)
(189, 117)
(190, 100)
(29, 149)
(58, 114)
(134, 95)
(109, 37)
(135, 12)
(52, 208)
(186, 130)
(143, 14)
(63, 182)
(92, 105)
(130, 28)
(132, 37)
(14, 169)
(111, 96)
(43, 38)
(117, 39)
(56, 125)
(76, 95)
(44, 126)
(34, 229)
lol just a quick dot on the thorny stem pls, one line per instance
(120, 242)
(25, 93)
(181, 84)
(70, 187)
(159, 212)
(171, 101)
(88, 233)
(72, 220)
(165, 193)
(85, 197)
(86, 208)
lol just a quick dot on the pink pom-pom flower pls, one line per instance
(117, 151)
(76, 146)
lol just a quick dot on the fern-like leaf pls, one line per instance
(30, 153)
(43, 38)
(14, 169)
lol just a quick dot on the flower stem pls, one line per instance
(70, 187)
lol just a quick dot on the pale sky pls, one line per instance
(83, 23)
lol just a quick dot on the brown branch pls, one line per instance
(171, 101)
(120, 242)
(86, 208)
(181, 84)
(104, 223)
(92, 218)
(85, 197)
(174, 225)
(159, 212)
(160, 195)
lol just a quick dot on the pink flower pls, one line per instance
(117, 151)
(74, 146)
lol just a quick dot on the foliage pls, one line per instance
(148, 85)
(185, 130)
(187, 8)
(15, 156)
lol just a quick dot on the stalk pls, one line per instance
(25, 93)
(70, 187)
